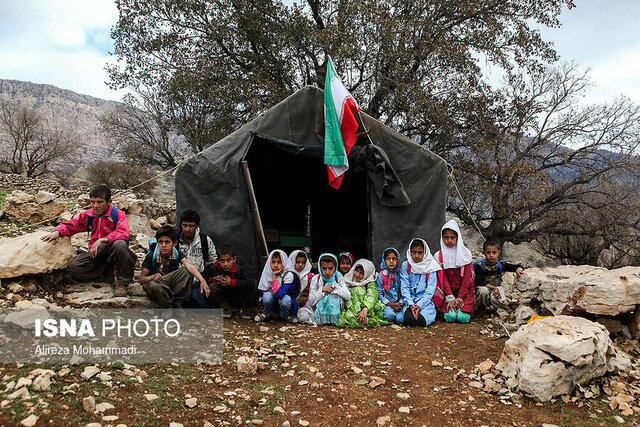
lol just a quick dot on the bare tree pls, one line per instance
(141, 130)
(533, 151)
(27, 145)
(121, 175)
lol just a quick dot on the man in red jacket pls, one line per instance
(108, 245)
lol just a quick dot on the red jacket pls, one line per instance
(102, 226)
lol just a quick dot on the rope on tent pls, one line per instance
(44, 221)
(455, 184)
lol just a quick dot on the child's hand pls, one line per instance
(458, 303)
(362, 316)
(224, 281)
(328, 289)
(415, 310)
(156, 277)
(51, 237)
(451, 305)
(519, 271)
(496, 293)
(205, 289)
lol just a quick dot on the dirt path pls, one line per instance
(321, 375)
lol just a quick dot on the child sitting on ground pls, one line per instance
(418, 279)
(489, 293)
(302, 267)
(345, 261)
(230, 285)
(388, 285)
(456, 279)
(326, 295)
(364, 309)
(162, 279)
(280, 288)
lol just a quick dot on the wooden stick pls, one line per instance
(262, 241)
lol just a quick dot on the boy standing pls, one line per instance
(229, 284)
(197, 247)
(108, 245)
(489, 294)
(162, 279)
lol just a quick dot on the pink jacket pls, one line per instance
(102, 226)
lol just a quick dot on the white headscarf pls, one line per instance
(267, 272)
(369, 273)
(304, 274)
(454, 257)
(428, 263)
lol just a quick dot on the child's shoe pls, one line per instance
(292, 319)
(246, 314)
(260, 317)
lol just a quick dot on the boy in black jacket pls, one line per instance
(230, 285)
(490, 294)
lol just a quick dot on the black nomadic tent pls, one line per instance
(268, 179)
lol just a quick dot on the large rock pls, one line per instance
(28, 254)
(26, 319)
(44, 197)
(549, 357)
(20, 206)
(582, 289)
(139, 224)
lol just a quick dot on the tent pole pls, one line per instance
(262, 241)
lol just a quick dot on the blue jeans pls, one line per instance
(391, 316)
(271, 304)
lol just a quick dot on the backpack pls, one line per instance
(153, 248)
(483, 261)
(204, 244)
(88, 222)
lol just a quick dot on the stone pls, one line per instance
(89, 372)
(476, 384)
(139, 224)
(30, 421)
(523, 313)
(103, 407)
(27, 254)
(582, 289)
(43, 379)
(192, 402)
(143, 241)
(110, 418)
(21, 207)
(247, 365)
(486, 366)
(303, 422)
(89, 404)
(549, 357)
(15, 288)
(383, 420)
(162, 220)
(64, 217)
(44, 197)
(404, 409)
(356, 370)
(154, 224)
(21, 393)
(26, 319)
(377, 381)
(614, 326)
(151, 397)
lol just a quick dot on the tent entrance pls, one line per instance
(297, 207)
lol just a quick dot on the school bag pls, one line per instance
(88, 222)
(153, 248)
(483, 261)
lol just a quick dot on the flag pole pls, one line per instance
(366, 131)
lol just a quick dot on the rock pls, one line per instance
(523, 313)
(43, 380)
(143, 241)
(476, 384)
(549, 357)
(44, 197)
(94, 425)
(191, 402)
(247, 365)
(15, 288)
(303, 422)
(614, 326)
(110, 418)
(486, 366)
(28, 254)
(286, 424)
(582, 289)
(383, 420)
(64, 217)
(356, 370)
(139, 224)
(21, 393)
(103, 407)
(162, 220)
(151, 397)
(20, 207)
(26, 319)
(89, 404)
(377, 381)
(154, 224)
(403, 395)
(30, 421)
(404, 409)
(89, 371)
(176, 424)
(436, 363)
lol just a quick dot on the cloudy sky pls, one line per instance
(66, 43)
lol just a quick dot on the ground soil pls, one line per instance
(325, 396)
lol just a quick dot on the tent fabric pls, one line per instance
(212, 182)
(384, 179)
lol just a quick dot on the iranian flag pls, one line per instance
(339, 126)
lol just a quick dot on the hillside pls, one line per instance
(66, 109)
